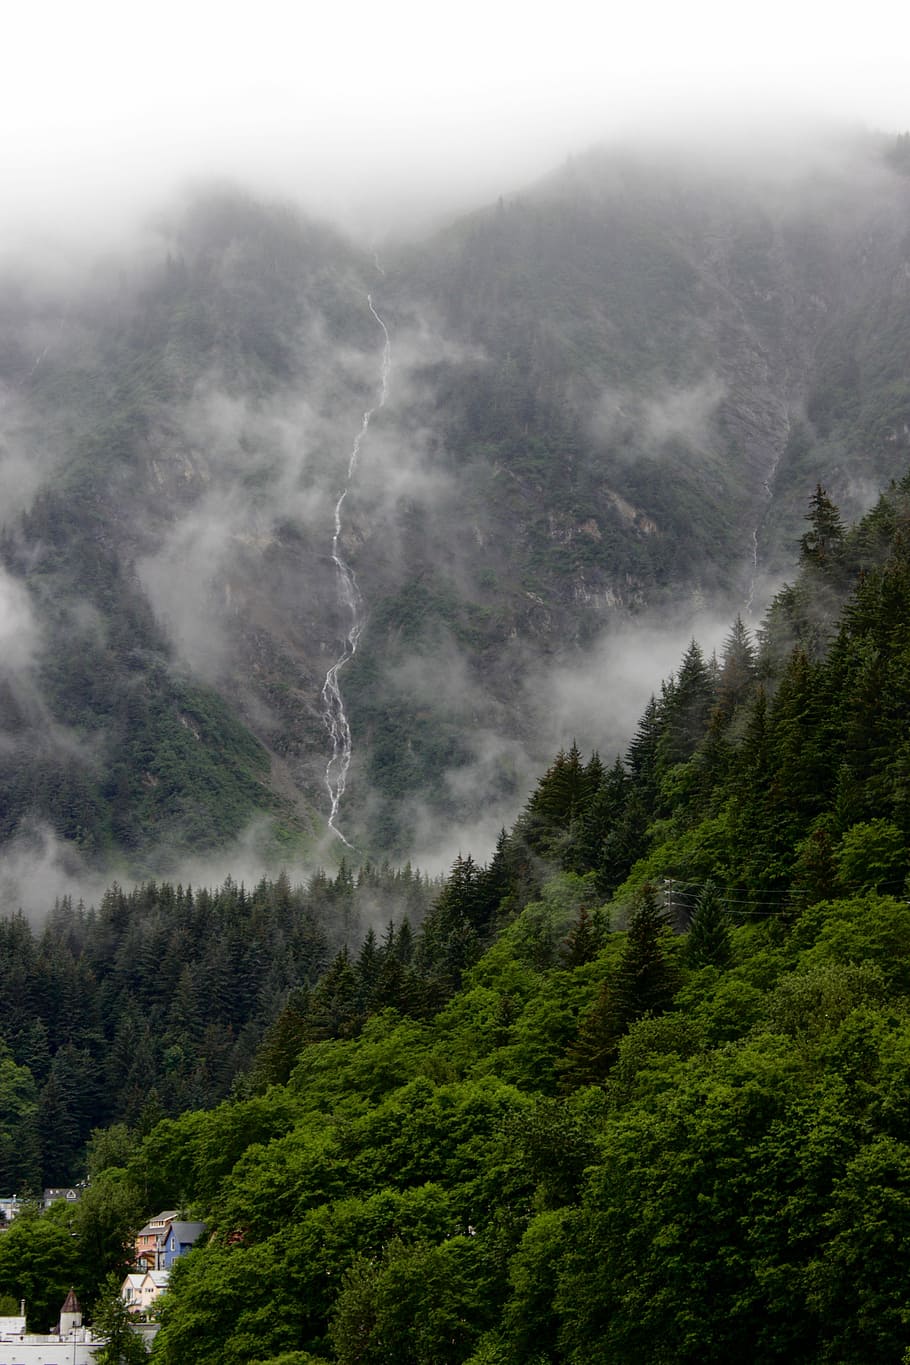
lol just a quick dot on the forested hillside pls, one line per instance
(632, 1091)
(608, 394)
(155, 1002)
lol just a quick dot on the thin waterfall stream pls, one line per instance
(333, 709)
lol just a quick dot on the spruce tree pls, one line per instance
(582, 941)
(646, 979)
(645, 982)
(687, 709)
(823, 543)
(709, 938)
(738, 672)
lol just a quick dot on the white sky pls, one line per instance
(353, 107)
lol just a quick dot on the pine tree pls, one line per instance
(558, 804)
(369, 962)
(583, 940)
(604, 812)
(645, 982)
(333, 1004)
(687, 709)
(823, 543)
(404, 942)
(646, 979)
(738, 672)
(709, 937)
(642, 753)
(283, 1043)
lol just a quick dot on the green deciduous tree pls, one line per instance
(111, 1323)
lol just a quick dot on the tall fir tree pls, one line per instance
(708, 943)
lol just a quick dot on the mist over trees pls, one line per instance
(602, 420)
(655, 1043)
(629, 1085)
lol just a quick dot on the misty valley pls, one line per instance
(455, 776)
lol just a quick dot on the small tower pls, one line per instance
(70, 1315)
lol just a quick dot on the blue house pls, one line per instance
(176, 1240)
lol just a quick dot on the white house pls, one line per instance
(9, 1208)
(131, 1290)
(141, 1288)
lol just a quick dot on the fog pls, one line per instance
(384, 117)
(385, 120)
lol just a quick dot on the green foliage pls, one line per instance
(645, 982)
(396, 1175)
(420, 1304)
(156, 1002)
(111, 1324)
(872, 856)
(20, 1151)
(39, 1262)
(709, 937)
(421, 1192)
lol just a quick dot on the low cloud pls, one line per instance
(186, 586)
(26, 460)
(19, 631)
(598, 696)
(37, 869)
(672, 414)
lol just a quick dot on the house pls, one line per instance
(141, 1288)
(51, 1196)
(153, 1285)
(148, 1237)
(8, 1209)
(131, 1290)
(176, 1241)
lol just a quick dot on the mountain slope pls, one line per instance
(610, 399)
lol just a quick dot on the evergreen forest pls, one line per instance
(637, 1089)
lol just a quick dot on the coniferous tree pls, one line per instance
(283, 1042)
(738, 672)
(822, 544)
(557, 804)
(642, 755)
(604, 812)
(583, 940)
(687, 709)
(645, 982)
(708, 942)
(646, 979)
(404, 942)
(333, 1010)
(369, 962)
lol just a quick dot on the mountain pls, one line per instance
(610, 399)
(633, 1090)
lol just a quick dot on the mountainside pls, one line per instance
(609, 401)
(633, 1090)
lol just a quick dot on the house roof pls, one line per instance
(155, 1225)
(71, 1304)
(167, 1216)
(185, 1233)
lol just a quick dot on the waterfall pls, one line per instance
(334, 714)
